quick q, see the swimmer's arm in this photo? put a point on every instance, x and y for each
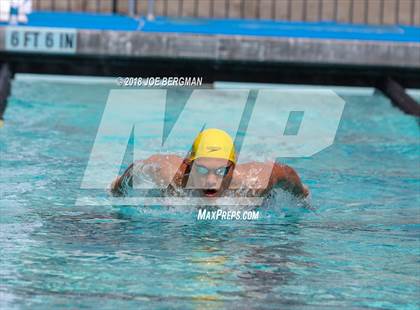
(287, 178)
(120, 184)
(161, 169)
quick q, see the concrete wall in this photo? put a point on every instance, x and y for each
(237, 48)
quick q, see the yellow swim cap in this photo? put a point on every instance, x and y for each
(214, 143)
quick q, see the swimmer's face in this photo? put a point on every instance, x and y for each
(211, 176)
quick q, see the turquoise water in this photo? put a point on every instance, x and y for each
(360, 249)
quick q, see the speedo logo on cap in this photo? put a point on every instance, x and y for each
(212, 148)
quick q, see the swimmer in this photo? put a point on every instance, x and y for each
(210, 170)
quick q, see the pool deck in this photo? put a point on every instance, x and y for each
(264, 41)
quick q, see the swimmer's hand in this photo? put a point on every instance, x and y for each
(115, 183)
(305, 190)
(116, 186)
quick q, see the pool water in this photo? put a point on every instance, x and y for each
(359, 249)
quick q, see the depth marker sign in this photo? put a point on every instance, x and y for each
(43, 40)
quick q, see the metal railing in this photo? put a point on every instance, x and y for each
(345, 11)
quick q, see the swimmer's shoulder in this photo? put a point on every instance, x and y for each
(164, 159)
(247, 173)
(163, 167)
(253, 167)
